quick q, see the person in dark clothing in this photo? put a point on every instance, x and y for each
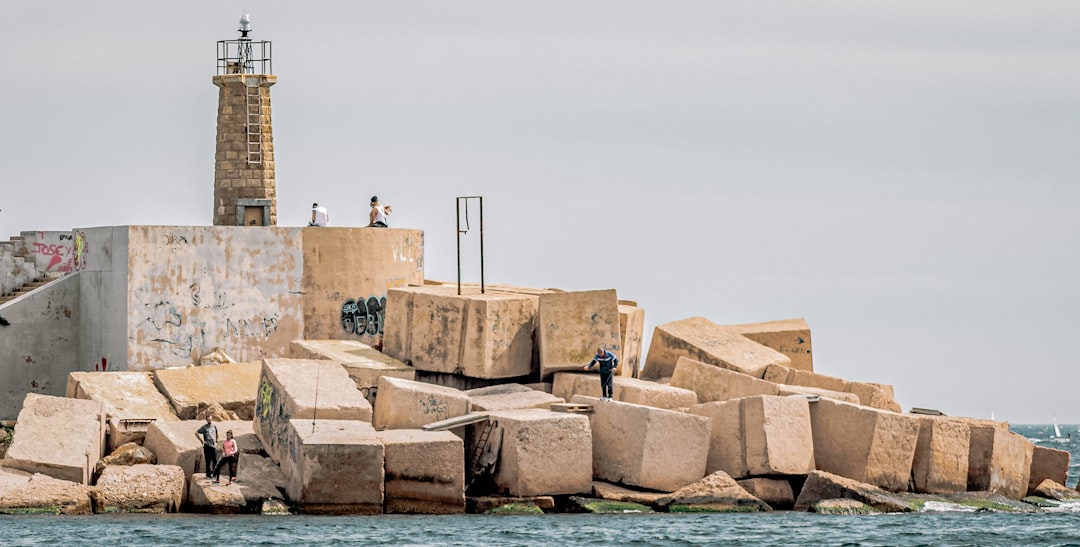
(207, 434)
(608, 362)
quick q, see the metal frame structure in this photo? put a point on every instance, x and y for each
(243, 56)
(458, 203)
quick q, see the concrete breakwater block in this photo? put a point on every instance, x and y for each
(487, 335)
(405, 404)
(364, 363)
(141, 488)
(759, 436)
(193, 389)
(424, 471)
(1047, 464)
(58, 436)
(570, 325)
(22, 492)
(999, 460)
(509, 397)
(713, 383)
(542, 453)
(864, 444)
(712, 344)
(788, 336)
(303, 389)
(175, 443)
(131, 402)
(333, 466)
(940, 465)
(632, 334)
(627, 390)
(258, 479)
(648, 447)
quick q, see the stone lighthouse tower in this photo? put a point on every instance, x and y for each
(244, 184)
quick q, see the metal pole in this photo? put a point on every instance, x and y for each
(457, 228)
(481, 244)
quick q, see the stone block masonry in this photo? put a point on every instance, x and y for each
(235, 177)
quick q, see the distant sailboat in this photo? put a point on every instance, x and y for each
(1057, 433)
(992, 416)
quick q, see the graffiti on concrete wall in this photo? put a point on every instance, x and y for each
(58, 255)
(363, 316)
(404, 250)
(80, 251)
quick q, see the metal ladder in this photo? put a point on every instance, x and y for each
(476, 466)
(253, 97)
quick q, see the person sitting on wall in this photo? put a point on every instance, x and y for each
(380, 214)
(319, 215)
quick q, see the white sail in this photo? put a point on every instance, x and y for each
(1057, 430)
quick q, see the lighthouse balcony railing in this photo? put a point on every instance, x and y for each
(243, 57)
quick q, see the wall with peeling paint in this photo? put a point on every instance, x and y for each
(101, 260)
(38, 348)
(347, 272)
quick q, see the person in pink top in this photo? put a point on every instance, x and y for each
(230, 457)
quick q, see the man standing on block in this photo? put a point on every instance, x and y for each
(608, 362)
(207, 434)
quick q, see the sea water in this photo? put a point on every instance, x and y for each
(779, 528)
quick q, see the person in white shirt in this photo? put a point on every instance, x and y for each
(380, 214)
(319, 215)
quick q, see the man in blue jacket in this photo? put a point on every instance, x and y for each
(608, 362)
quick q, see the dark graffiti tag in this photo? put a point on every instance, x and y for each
(362, 316)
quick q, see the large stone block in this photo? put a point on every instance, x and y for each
(813, 379)
(570, 325)
(22, 492)
(303, 389)
(875, 395)
(425, 471)
(542, 453)
(131, 402)
(999, 460)
(705, 341)
(648, 447)
(333, 466)
(258, 479)
(759, 435)
(1047, 463)
(175, 443)
(509, 397)
(865, 444)
(141, 488)
(714, 383)
(628, 390)
(632, 334)
(405, 404)
(58, 436)
(193, 389)
(940, 465)
(479, 335)
(364, 363)
(810, 391)
(788, 336)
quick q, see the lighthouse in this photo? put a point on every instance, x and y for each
(244, 185)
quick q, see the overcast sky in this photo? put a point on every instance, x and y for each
(902, 174)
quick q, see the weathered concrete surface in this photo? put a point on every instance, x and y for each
(425, 471)
(632, 335)
(1047, 464)
(40, 346)
(192, 389)
(364, 363)
(705, 341)
(333, 466)
(760, 435)
(999, 460)
(940, 465)
(131, 401)
(822, 485)
(570, 325)
(22, 492)
(775, 492)
(790, 337)
(347, 273)
(628, 390)
(58, 436)
(713, 383)
(258, 479)
(875, 395)
(1053, 490)
(608, 491)
(864, 444)
(828, 394)
(141, 488)
(483, 504)
(301, 389)
(648, 447)
(190, 289)
(126, 454)
(405, 404)
(476, 335)
(813, 379)
(509, 397)
(174, 443)
(717, 491)
(51, 250)
(543, 453)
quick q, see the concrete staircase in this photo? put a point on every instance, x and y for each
(18, 271)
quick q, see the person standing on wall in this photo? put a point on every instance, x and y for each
(207, 435)
(608, 362)
(380, 214)
(319, 215)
